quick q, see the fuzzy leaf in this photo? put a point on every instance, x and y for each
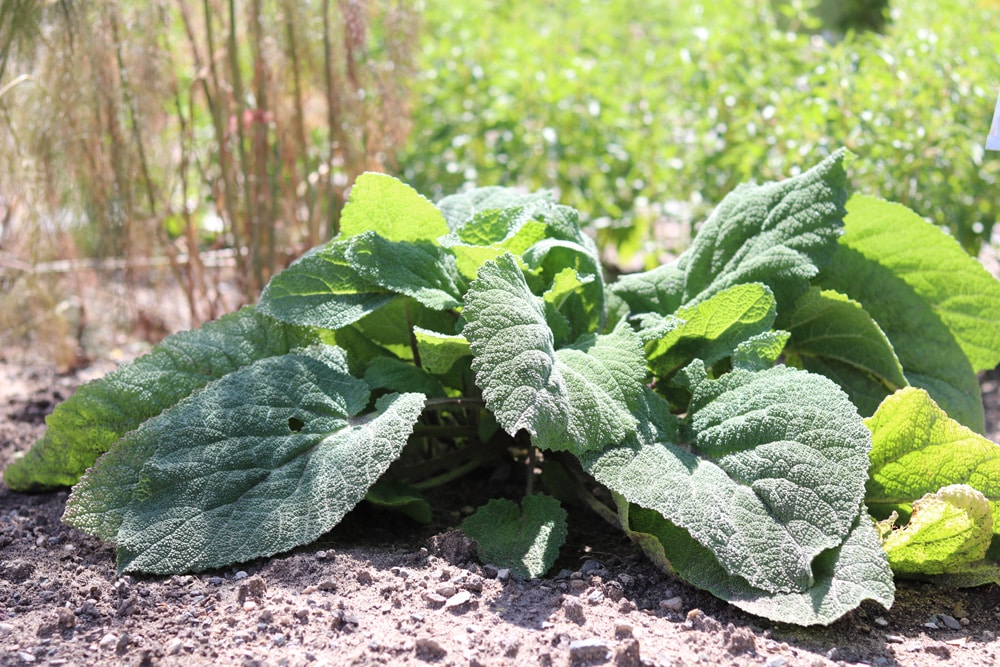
(761, 351)
(421, 269)
(439, 352)
(576, 398)
(525, 539)
(583, 307)
(267, 458)
(395, 495)
(712, 329)
(833, 335)
(392, 209)
(774, 477)
(938, 306)
(917, 449)
(322, 289)
(401, 376)
(86, 425)
(948, 529)
(657, 291)
(778, 234)
(459, 209)
(843, 577)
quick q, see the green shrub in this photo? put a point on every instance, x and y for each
(621, 108)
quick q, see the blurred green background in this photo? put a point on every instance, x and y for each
(200, 147)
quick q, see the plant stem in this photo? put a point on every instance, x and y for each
(452, 474)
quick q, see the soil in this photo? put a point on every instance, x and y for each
(380, 589)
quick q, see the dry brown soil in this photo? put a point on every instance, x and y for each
(382, 590)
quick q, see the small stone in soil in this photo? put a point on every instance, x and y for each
(776, 661)
(458, 600)
(573, 610)
(673, 604)
(739, 641)
(587, 650)
(623, 630)
(628, 654)
(67, 619)
(881, 622)
(108, 642)
(434, 599)
(950, 622)
(446, 590)
(429, 648)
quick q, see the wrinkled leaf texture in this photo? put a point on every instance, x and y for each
(267, 458)
(87, 424)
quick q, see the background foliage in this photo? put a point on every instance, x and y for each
(623, 107)
(175, 137)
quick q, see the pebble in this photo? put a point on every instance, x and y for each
(586, 650)
(595, 598)
(881, 622)
(240, 575)
(458, 599)
(24, 656)
(446, 590)
(430, 648)
(66, 618)
(573, 610)
(590, 565)
(776, 661)
(6, 629)
(623, 630)
(108, 641)
(503, 574)
(434, 598)
(175, 646)
(473, 583)
(628, 654)
(675, 603)
(950, 622)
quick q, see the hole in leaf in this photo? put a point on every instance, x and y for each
(295, 424)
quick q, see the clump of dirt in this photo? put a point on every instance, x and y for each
(381, 590)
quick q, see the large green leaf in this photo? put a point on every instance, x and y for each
(583, 306)
(712, 329)
(578, 397)
(267, 458)
(778, 234)
(392, 209)
(525, 539)
(657, 291)
(948, 530)
(83, 427)
(773, 477)
(938, 306)
(955, 286)
(917, 449)
(323, 289)
(459, 209)
(843, 577)
(833, 335)
(421, 269)
(439, 352)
